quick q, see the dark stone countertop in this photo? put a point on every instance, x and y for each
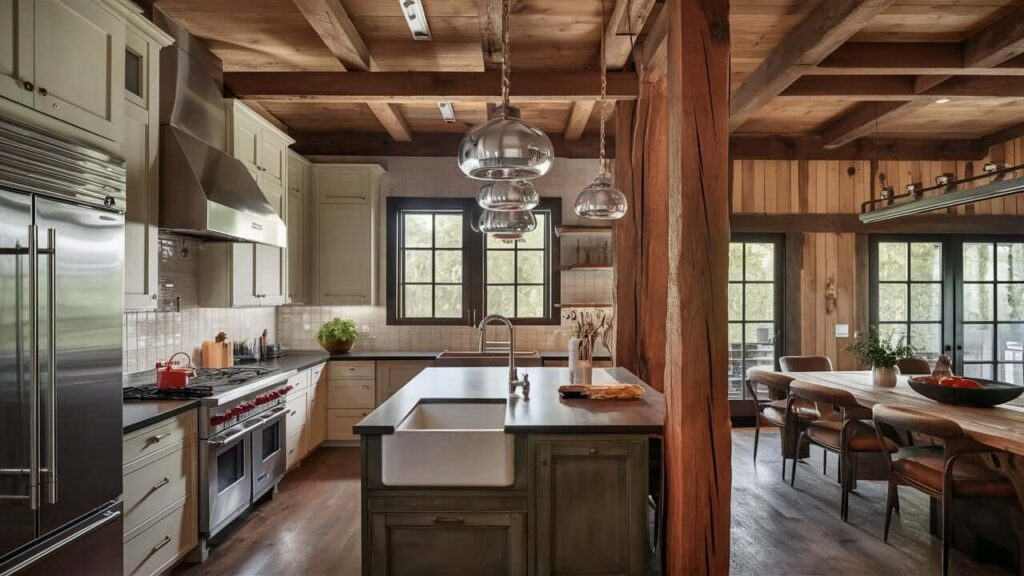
(427, 355)
(544, 412)
(139, 414)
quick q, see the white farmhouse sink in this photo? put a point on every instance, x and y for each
(450, 444)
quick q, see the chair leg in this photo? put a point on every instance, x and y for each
(824, 462)
(845, 480)
(892, 500)
(796, 453)
(757, 437)
(947, 529)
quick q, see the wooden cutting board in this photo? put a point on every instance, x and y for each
(613, 391)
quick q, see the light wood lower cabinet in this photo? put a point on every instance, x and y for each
(340, 422)
(393, 374)
(160, 498)
(479, 543)
(317, 411)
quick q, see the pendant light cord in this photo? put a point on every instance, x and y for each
(604, 92)
(506, 65)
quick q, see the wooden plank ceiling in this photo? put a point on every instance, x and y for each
(823, 71)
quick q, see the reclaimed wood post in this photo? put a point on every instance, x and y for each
(627, 233)
(697, 431)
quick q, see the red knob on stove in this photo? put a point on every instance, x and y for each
(216, 420)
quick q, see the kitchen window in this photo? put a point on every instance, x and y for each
(443, 272)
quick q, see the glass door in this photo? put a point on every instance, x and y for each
(755, 306)
(990, 333)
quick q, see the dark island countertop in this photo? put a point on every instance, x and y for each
(545, 412)
(138, 414)
(429, 355)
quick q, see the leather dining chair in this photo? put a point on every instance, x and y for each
(771, 408)
(913, 366)
(845, 433)
(805, 364)
(948, 469)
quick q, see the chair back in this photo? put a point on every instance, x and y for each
(805, 364)
(913, 420)
(822, 394)
(777, 384)
(913, 366)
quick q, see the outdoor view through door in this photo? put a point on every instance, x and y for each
(755, 306)
(962, 296)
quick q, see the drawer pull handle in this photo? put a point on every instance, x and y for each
(292, 413)
(264, 475)
(592, 451)
(159, 437)
(164, 542)
(449, 520)
(366, 386)
(161, 484)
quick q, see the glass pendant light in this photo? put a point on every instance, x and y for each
(508, 196)
(601, 199)
(506, 225)
(504, 147)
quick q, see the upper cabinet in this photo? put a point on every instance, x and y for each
(298, 191)
(262, 148)
(345, 233)
(139, 146)
(64, 60)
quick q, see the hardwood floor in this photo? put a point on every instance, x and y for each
(781, 530)
(312, 526)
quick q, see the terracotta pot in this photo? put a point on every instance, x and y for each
(338, 346)
(883, 377)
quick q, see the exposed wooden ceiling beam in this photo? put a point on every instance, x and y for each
(267, 115)
(828, 25)
(390, 117)
(758, 147)
(1000, 136)
(490, 32)
(442, 144)
(877, 88)
(908, 58)
(330, 21)
(427, 86)
(578, 118)
(990, 46)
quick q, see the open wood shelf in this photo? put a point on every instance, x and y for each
(576, 230)
(588, 266)
(584, 305)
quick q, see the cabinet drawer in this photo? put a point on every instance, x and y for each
(158, 437)
(351, 371)
(316, 372)
(157, 485)
(340, 423)
(156, 548)
(351, 394)
(299, 384)
(295, 450)
(296, 414)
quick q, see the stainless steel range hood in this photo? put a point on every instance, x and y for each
(203, 190)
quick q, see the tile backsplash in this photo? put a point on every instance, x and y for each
(153, 336)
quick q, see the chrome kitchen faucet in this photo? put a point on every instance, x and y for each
(513, 376)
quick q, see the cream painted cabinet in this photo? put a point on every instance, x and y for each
(345, 235)
(298, 186)
(139, 145)
(240, 274)
(393, 374)
(317, 411)
(16, 75)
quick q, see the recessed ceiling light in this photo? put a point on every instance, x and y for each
(447, 111)
(416, 18)
(942, 100)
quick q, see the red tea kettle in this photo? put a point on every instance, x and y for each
(171, 375)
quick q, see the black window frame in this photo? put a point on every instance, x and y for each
(474, 250)
(778, 297)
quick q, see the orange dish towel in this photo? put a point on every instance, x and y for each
(602, 391)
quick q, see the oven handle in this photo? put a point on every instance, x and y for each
(272, 415)
(217, 442)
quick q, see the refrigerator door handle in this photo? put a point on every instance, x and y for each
(51, 293)
(17, 252)
(33, 303)
(104, 519)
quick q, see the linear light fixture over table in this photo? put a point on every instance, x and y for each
(416, 18)
(946, 194)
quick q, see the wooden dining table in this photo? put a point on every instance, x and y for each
(1001, 427)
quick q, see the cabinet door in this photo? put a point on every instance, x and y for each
(139, 145)
(270, 268)
(273, 159)
(477, 543)
(393, 374)
(317, 412)
(79, 65)
(344, 184)
(346, 252)
(243, 275)
(296, 246)
(245, 141)
(16, 51)
(591, 505)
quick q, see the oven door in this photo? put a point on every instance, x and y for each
(268, 451)
(228, 477)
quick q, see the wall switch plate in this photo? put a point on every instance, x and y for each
(842, 330)
(364, 329)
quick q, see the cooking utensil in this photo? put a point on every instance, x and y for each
(171, 375)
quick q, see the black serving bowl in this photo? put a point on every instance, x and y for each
(990, 394)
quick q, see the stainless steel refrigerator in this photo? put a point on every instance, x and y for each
(61, 258)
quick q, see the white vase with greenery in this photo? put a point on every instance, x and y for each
(882, 355)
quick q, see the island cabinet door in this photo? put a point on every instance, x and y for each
(449, 543)
(590, 500)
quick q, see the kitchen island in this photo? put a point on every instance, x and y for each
(574, 501)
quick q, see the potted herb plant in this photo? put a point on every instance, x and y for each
(338, 335)
(882, 355)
